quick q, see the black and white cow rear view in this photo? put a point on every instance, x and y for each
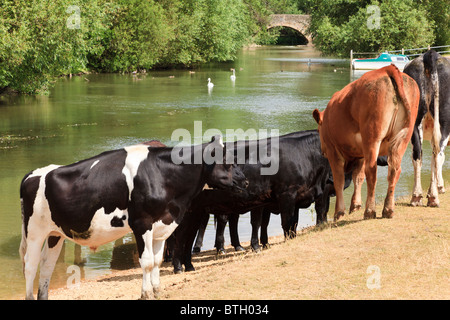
(431, 71)
(98, 200)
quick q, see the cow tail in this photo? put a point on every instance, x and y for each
(429, 60)
(397, 79)
(23, 241)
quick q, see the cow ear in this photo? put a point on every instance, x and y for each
(317, 116)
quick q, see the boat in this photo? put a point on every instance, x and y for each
(383, 60)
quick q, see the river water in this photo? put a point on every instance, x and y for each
(276, 88)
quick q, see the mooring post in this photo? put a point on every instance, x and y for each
(351, 58)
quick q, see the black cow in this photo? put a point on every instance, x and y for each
(432, 73)
(98, 200)
(304, 177)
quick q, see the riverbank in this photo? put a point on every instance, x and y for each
(406, 257)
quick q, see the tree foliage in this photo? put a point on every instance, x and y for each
(42, 39)
(341, 25)
(37, 44)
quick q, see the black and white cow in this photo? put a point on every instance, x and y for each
(303, 178)
(431, 71)
(98, 200)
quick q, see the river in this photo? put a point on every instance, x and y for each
(276, 88)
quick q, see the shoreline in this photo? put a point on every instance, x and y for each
(330, 262)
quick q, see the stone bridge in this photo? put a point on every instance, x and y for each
(299, 22)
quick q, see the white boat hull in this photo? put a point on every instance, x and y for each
(373, 65)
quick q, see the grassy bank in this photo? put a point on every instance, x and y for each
(338, 261)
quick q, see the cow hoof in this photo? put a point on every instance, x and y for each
(266, 246)
(147, 295)
(433, 202)
(370, 214)
(239, 248)
(441, 189)
(387, 213)
(416, 201)
(177, 271)
(338, 215)
(196, 250)
(256, 249)
(221, 251)
(157, 293)
(354, 207)
(189, 268)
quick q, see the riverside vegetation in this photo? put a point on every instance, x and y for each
(41, 40)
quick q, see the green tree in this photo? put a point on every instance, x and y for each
(338, 33)
(37, 43)
(138, 37)
(438, 11)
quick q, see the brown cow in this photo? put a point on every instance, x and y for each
(371, 116)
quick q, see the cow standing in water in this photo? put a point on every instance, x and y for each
(98, 200)
(432, 73)
(371, 116)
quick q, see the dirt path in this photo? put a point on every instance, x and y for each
(406, 257)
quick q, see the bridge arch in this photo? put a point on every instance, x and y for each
(298, 22)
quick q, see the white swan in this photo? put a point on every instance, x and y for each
(233, 76)
(210, 84)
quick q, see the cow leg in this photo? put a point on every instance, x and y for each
(286, 204)
(440, 163)
(49, 256)
(322, 205)
(234, 235)
(220, 231)
(433, 197)
(185, 236)
(294, 223)
(264, 224)
(255, 220)
(437, 181)
(358, 177)
(147, 261)
(337, 168)
(201, 233)
(31, 261)
(370, 164)
(169, 248)
(416, 141)
(394, 170)
(158, 252)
